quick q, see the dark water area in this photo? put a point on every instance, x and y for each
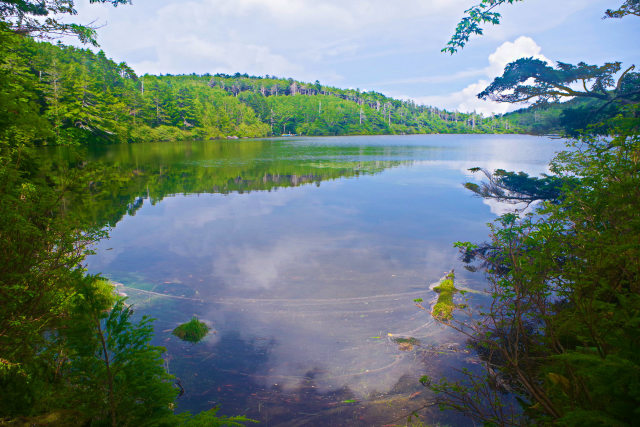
(304, 256)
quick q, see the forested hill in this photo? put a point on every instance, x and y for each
(566, 118)
(290, 106)
(71, 95)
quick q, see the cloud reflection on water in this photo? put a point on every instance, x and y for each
(319, 275)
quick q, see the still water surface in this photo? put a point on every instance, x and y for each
(304, 255)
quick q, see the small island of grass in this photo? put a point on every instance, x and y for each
(443, 309)
(193, 331)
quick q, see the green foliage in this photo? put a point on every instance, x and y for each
(334, 111)
(561, 332)
(119, 377)
(193, 331)
(32, 375)
(475, 391)
(560, 336)
(211, 419)
(41, 18)
(40, 249)
(20, 119)
(551, 83)
(65, 95)
(40, 277)
(483, 13)
(68, 355)
(527, 79)
(629, 7)
(570, 118)
(472, 22)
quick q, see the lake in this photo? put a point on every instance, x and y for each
(304, 255)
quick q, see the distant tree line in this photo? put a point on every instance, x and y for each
(367, 112)
(76, 96)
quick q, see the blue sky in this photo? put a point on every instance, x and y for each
(391, 46)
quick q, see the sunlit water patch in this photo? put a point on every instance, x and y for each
(304, 256)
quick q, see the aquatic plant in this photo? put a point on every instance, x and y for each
(406, 344)
(443, 309)
(193, 331)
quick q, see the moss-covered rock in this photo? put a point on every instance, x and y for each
(443, 309)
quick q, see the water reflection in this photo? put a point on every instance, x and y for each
(306, 286)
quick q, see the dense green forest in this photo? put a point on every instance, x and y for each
(81, 96)
(540, 120)
(564, 118)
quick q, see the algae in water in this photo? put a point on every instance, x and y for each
(443, 310)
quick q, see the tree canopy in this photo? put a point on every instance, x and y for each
(41, 18)
(78, 96)
(629, 7)
(477, 16)
(533, 79)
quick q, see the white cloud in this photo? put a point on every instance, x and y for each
(290, 38)
(443, 78)
(466, 100)
(500, 208)
(510, 51)
(204, 56)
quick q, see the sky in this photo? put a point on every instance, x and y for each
(390, 46)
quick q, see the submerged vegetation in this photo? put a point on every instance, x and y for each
(193, 330)
(443, 309)
(406, 344)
